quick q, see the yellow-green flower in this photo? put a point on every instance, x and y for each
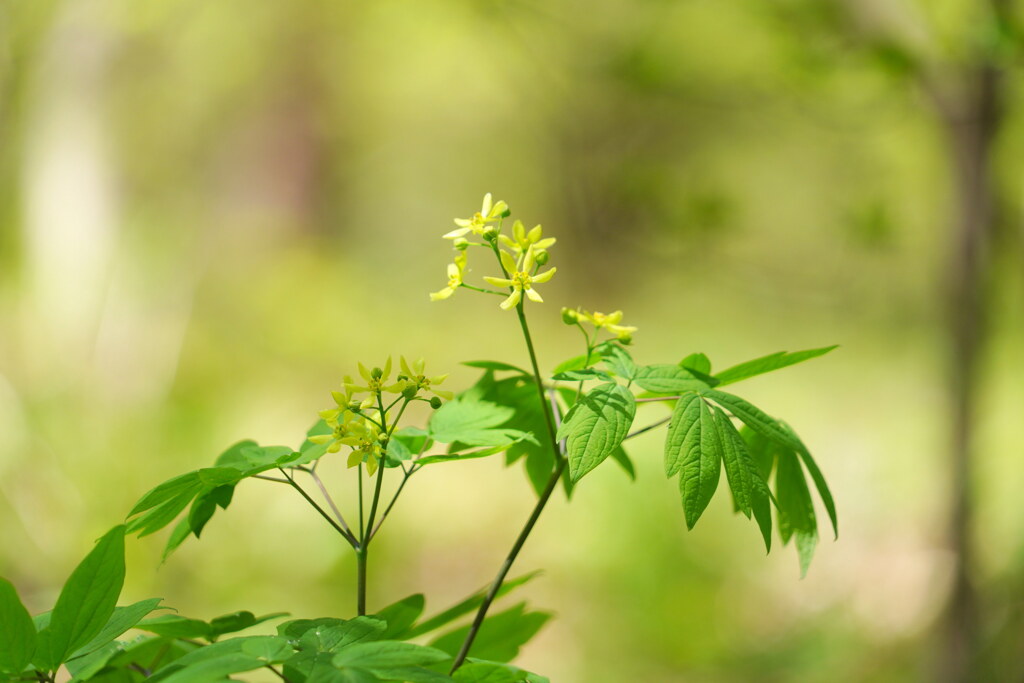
(376, 383)
(520, 278)
(522, 240)
(343, 422)
(414, 376)
(455, 274)
(610, 322)
(489, 212)
(367, 447)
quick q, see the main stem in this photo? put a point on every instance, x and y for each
(545, 495)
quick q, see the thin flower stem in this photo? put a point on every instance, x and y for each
(274, 479)
(387, 510)
(330, 501)
(647, 428)
(656, 398)
(481, 289)
(347, 535)
(545, 495)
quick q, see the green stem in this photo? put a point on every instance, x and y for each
(545, 495)
(492, 593)
(323, 513)
(647, 428)
(361, 580)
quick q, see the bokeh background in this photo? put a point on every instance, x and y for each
(209, 211)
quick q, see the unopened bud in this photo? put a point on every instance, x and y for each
(409, 392)
(541, 258)
(569, 316)
(376, 373)
(490, 233)
(435, 403)
(461, 243)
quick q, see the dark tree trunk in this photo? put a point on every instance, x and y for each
(972, 124)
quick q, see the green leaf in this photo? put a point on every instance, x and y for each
(206, 504)
(796, 510)
(85, 667)
(466, 606)
(122, 619)
(667, 379)
(272, 649)
(210, 664)
(238, 621)
(309, 451)
(596, 426)
(494, 365)
(86, 602)
(460, 420)
(749, 489)
(173, 626)
(693, 447)
(185, 484)
(585, 375)
(818, 478)
(619, 361)
(773, 361)
(500, 636)
(577, 362)
(754, 417)
(393, 660)
(17, 632)
(620, 456)
(401, 615)
(487, 672)
(697, 362)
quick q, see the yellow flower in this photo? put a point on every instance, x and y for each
(455, 273)
(522, 240)
(489, 212)
(367, 447)
(414, 376)
(376, 382)
(520, 278)
(610, 322)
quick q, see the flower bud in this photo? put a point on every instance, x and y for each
(461, 243)
(541, 257)
(376, 373)
(569, 316)
(435, 402)
(491, 233)
(409, 392)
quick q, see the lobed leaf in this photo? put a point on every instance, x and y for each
(768, 363)
(595, 427)
(668, 379)
(693, 448)
(500, 637)
(754, 417)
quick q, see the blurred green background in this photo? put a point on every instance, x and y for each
(209, 211)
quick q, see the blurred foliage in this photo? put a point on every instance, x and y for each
(196, 200)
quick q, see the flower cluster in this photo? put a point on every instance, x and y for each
(365, 423)
(600, 321)
(520, 256)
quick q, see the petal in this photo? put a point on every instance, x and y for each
(340, 398)
(528, 263)
(406, 370)
(441, 294)
(460, 263)
(519, 231)
(499, 208)
(498, 281)
(545, 244)
(438, 379)
(613, 318)
(544, 277)
(365, 373)
(508, 241)
(446, 395)
(535, 234)
(354, 458)
(334, 447)
(371, 465)
(458, 232)
(532, 295)
(387, 369)
(508, 262)
(512, 300)
(485, 208)
(320, 438)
